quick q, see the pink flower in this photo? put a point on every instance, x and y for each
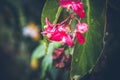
(80, 38)
(76, 6)
(57, 53)
(67, 39)
(82, 28)
(48, 26)
(65, 3)
(57, 33)
(60, 59)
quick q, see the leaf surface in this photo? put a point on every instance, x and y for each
(86, 55)
(40, 50)
(51, 10)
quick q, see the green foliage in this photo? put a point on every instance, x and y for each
(51, 10)
(40, 50)
(45, 50)
(47, 61)
(86, 55)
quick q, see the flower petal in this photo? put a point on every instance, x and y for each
(47, 21)
(48, 25)
(82, 14)
(65, 3)
(57, 53)
(80, 38)
(77, 7)
(56, 37)
(82, 28)
(67, 39)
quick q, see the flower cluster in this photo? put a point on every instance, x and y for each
(63, 31)
(58, 33)
(75, 5)
(60, 59)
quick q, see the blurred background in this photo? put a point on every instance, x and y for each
(16, 46)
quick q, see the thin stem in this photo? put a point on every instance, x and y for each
(65, 20)
(57, 15)
(73, 39)
(77, 19)
(70, 22)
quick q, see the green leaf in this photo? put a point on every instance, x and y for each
(86, 55)
(51, 10)
(40, 50)
(47, 61)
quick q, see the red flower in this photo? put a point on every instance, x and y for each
(82, 28)
(80, 38)
(57, 33)
(65, 3)
(48, 26)
(60, 59)
(57, 53)
(76, 6)
(67, 39)
(60, 34)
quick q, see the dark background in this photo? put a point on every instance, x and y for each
(16, 49)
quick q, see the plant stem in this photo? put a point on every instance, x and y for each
(57, 15)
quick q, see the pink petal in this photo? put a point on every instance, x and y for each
(77, 7)
(65, 3)
(74, 7)
(48, 25)
(62, 28)
(80, 5)
(82, 28)
(80, 38)
(47, 21)
(59, 64)
(67, 39)
(56, 37)
(82, 14)
(57, 53)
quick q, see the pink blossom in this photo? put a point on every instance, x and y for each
(60, 59)
(76, 6)
(65, 3)
(80, 38)
(60, 34)
(48, 25)
(67, 39)
(56, 36)
(82, 28)
(57, 53)
(57, 33)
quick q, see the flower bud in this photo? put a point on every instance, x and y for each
(82, 28)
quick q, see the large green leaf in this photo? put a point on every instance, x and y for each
(51, 10)
(40, 50)
(86, 55)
